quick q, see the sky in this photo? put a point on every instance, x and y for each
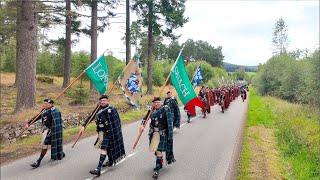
(243, 28)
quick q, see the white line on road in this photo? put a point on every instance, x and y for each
(102, 172)
(132, 154)
(187, 123)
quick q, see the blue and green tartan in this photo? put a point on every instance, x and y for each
(166, 140)
(112, 140)
(115, 147)
(174, 108)
(56, 134)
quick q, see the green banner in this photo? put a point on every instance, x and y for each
(98, 74)
(181, 82)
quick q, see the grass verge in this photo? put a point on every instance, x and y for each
(30, 145)
(281, 140)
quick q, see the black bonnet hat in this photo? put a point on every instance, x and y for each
(103, 96)
(48, 100)
(156, 99)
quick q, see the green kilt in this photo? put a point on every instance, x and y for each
(162, 143)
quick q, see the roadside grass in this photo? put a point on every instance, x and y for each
(31, 144)
(244, 164)
(251, 73)
(133, 115)
(296, 132)
(259, 157)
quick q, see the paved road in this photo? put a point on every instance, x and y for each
(204, 149)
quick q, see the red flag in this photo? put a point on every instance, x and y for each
(190, 106)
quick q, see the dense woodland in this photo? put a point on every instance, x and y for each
(27, 50)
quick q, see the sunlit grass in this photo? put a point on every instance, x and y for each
(297, 131)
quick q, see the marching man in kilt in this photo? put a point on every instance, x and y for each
(160, 134)
(203, 98)
(52, 133)
(174, 107)
(243, 94)
(110, 139)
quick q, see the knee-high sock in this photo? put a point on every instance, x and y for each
(101, 160)
(159, 162)
(42, 154)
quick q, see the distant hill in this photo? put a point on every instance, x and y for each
(233, 67)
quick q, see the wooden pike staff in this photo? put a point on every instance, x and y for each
(151, 111)
(24, 129)
(92, 116)
(97, 109)
(64, 90)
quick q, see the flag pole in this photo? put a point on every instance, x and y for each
(145, 123)
(98, 107)
(69, 85)
(95, 111)
(171, 71)
(64, 90)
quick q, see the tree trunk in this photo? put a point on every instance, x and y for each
(128, 36)
(150, 47)
(94, 35)
(67, 47)
(27, 28)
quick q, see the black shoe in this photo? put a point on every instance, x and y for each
(36, 164)
(96, 172)
(155, 174)
(107, 164)
(171, 161)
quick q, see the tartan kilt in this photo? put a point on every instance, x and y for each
(46, 136)
(163, 142)
(104, 143)
(47, 140)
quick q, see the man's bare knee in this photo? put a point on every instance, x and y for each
(103, 151)
(158, 153)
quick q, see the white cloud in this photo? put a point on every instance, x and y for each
(242, 28)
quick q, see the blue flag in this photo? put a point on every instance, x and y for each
(197, 77)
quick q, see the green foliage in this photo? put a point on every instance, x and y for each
(158, 50)
(296, 129)
(233, 67)
(296, 81)
(45, 62)
(79, 94)
(280, 39)
(173, 50)
(240, 74)
(8, 16)
(115, 67)
(206, 69)
(80, 61)
(116, 72)
(258, 114)
(158, 72)
(202, 50)
(165, 15)
(9, 56)
(297, 132)
(210, 74)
